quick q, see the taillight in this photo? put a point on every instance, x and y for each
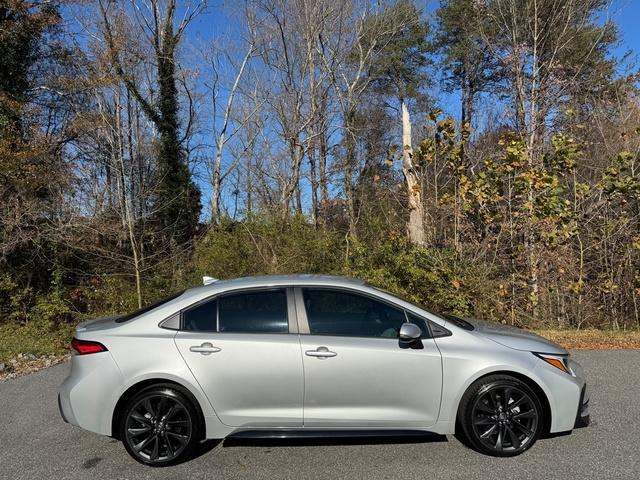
(84, 347)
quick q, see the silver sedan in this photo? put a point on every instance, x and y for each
(307, 355)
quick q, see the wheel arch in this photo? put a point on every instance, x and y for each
(150, 382)
(530, 382)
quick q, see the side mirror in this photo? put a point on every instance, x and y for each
(410, 332)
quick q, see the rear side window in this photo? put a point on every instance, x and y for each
(242, 312)
(254, 312)
(201, 318)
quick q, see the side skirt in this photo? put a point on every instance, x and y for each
(309, 433)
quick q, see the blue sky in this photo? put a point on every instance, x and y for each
(626, 13)
(220, 20)
(218, 25)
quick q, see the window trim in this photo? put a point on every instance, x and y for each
(168, 323)
(429, 324)
(304, 320)
(291, 314)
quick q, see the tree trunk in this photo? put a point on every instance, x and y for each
(322, 162)
(466, 111)
(350, 161)
(291, 186)
(249, 188)
(125, 198)
(216, 181)
(314, 181)
(415, 224)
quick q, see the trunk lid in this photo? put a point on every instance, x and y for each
(100, 323)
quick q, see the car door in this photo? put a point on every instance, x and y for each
(244, 350)
(357, 372)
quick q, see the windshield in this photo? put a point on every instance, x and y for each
(457, 321)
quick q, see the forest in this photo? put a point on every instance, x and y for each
(478, 157)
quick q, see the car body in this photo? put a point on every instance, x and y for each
(317, 354)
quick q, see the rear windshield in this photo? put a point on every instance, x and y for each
(132, 315)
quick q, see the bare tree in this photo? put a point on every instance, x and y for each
(227, 126)
(286, 58)
(179, 198)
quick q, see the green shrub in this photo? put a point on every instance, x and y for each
(34, 338)
(15, 300)
(433, 277)
(260, 247)
(50, 310)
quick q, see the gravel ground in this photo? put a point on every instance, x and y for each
(36, 444)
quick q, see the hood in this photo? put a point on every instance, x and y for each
(516, 338)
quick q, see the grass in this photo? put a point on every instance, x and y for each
(32, 338)
(593, 339)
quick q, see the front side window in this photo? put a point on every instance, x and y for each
(420, 322)
(242, 312)
(338, 312)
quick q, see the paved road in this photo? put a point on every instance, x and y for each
(36, 444)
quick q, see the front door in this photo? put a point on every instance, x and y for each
(239, 348)
(357, 373)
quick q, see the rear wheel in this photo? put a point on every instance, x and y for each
(501, 416)
(160, 426)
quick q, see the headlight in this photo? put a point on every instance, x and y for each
(561, 362)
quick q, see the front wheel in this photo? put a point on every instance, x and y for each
(501, 416)
(160, 426)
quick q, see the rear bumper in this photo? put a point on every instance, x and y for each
(61, 411)
(86, 397)
(583, 418)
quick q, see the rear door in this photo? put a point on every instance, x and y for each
(357, 372)
(244, 350)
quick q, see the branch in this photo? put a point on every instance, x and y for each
(148, 109)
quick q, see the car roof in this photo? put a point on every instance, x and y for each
(267, 281)
(277, 280)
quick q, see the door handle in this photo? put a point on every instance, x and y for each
(205, 349)
(320, 352)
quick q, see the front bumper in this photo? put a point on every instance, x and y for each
(565, 393)
(583, 418)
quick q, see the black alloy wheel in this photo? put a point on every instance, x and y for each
(160, 427)
(501, 416)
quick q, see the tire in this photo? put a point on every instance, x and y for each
(160, 426)
(493, 428)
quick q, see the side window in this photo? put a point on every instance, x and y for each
(253, 312)
(420, 322)
(201, 318)
(429, 328)
(243, 312)
(338, 312)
